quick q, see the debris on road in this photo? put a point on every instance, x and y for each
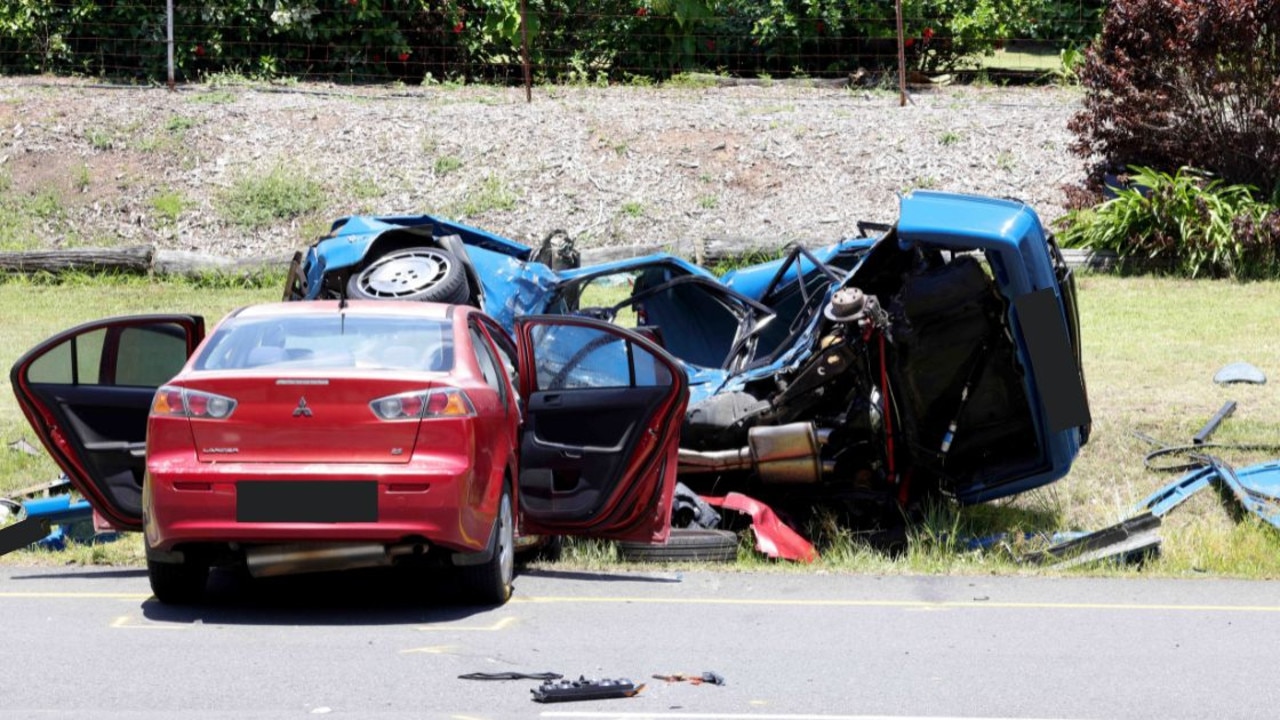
(511, 676)
(709, 678)
(584, 689)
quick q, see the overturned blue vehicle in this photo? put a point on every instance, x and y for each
(938, 356)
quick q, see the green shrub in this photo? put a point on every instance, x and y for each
(1169, 84)
(1186, 222)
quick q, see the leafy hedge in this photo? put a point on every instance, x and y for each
(1172, 83)
(1185, 223)
(481, 39)
(1170, 86)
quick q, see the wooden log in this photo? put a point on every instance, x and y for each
(145, 259)
(182, 262)
(131, 260)
(1099, 260)
(710, 80)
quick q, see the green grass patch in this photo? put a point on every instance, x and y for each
(179, 124)
(279, 195)
(213, 97)
(82, 177)
(167, 206)
(693, 81)
(100, 139)
(493, 194)
(446, 164)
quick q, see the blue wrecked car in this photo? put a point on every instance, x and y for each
(938, 356)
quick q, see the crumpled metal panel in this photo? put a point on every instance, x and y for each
(1256, 489)
(773, 537)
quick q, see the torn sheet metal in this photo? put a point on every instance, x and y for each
(1256, 489)
(774, 538)
(1129, 540)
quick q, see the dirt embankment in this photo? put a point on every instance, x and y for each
(89, 165)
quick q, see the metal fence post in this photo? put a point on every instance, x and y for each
(169, 23)
(902, 59)
(524, 50)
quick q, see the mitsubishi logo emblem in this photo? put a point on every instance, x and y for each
(302, 410)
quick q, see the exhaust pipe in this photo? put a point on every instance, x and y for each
(696, 461)
(781, 454)
(274, 560)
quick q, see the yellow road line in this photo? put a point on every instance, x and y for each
(75, 595)
(126, 622)
(761, 602)
(499, 625)
(434, 650)
(905, 604)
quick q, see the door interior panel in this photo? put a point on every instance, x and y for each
(108, 428)
(576, 443)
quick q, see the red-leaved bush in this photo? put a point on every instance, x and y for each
(1172, 83)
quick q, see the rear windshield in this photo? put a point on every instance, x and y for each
(323, 342)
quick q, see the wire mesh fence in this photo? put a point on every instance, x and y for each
(558, 41)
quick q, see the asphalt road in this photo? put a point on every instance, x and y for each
(89, 643)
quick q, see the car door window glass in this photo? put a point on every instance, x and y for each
(488, 363)
(150, 356)
(571, 356)
(145, 356)
(75, 361)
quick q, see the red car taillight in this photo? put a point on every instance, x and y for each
(181, 402)
(446, 402)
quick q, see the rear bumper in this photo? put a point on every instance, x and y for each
(198, 504)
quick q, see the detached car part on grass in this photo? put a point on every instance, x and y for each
(939, 355)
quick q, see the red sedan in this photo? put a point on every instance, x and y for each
(321, 436)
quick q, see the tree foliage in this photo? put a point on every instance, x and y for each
(1174, 83)
(604, 40)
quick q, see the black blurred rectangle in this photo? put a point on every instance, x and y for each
(1053, 360)
(334, 501)
(22, 534)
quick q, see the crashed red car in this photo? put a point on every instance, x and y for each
(332, 435)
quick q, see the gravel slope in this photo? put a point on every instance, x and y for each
(612, 166)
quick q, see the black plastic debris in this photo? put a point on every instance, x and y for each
(510, 676)
(584, 689)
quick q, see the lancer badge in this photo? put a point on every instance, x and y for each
(302, 410)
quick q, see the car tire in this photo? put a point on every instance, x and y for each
(490, 583)
(426, 274)
(685, 545)
(178, 583)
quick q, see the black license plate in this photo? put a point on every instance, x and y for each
(307, 501)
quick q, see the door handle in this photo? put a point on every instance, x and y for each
(571, 454)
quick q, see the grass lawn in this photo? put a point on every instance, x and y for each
(1151, 347)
